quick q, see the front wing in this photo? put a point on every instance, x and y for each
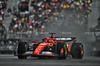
(45, 54)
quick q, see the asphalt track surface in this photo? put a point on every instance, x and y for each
(10, 60)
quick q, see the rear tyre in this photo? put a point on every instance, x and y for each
(77, 50)
(22, 48)
(60, 47)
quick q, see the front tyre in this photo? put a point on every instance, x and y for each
(22, 48)
(62, 50)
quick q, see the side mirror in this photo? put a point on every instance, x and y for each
(34, 41)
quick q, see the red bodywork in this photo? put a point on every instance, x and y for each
(49, 42)
(46, 42)
(52, 41)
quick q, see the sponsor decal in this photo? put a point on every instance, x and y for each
(64, 38)
(40, 46)
(29, 52)
(43, 43)
(46, 53)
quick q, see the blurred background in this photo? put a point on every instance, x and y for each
(30, 20)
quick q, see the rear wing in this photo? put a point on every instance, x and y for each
(66, 39)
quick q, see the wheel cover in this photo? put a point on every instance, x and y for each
(62, 50)
(65, 51)
(81, 50)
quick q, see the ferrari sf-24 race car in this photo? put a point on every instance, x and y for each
(51, 47)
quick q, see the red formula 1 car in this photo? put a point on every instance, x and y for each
(51, 47)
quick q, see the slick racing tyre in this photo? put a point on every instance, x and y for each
(77, 50)
(62, 50)
(22, 48)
